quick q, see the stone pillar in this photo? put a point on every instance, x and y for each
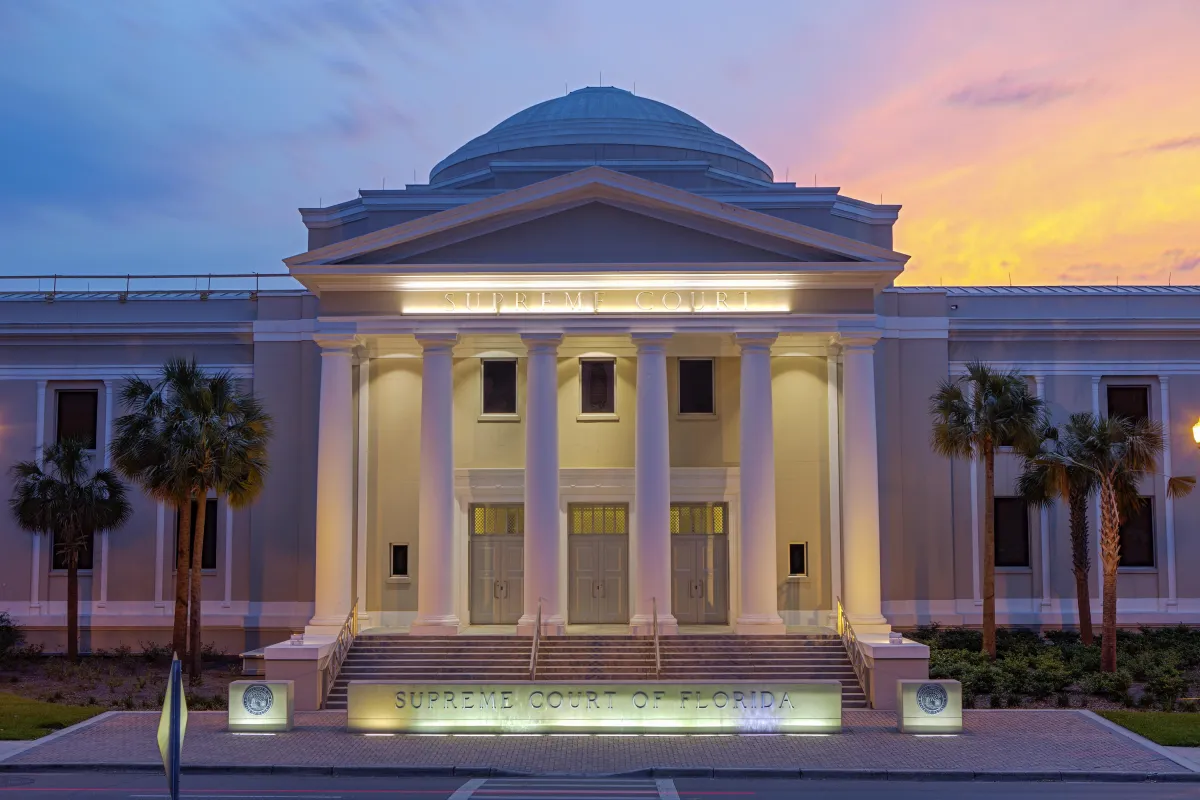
(436, 575)
(335, 488)
(759, 577)
(860, 490)
(543, 527)
(652, 489)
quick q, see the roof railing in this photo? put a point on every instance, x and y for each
(122, 288)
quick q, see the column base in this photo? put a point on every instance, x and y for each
(325, 626)
(553, 625)
(643, 625)
(759, 625)
(869, 623)
(444, 625)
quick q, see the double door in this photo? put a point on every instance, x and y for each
(598, 559)
(497, 563)
(699, 563)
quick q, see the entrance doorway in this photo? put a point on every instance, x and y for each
(598, 555)
(497, 562)
(700, 563)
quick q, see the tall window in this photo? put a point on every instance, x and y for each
(499, 386)
(208, 559)
(1137, 535)
(58, 557)
(1012, 532)
(77, 416)
(399, 561)
(1132, 402)
(697, 394)
(798, 559)
(598, 386)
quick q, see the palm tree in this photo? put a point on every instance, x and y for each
(61, 496)
(973, 414)
(190, 433)
(1041, 482)
(1118, 453)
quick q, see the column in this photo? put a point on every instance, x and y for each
(759, 577)
(35, 602)
(1044, 514)
(1164, 383)
(860, 497)
(543, 529)
(335, 487)
(436, 575)
(360, 534)
(652, 489)
(108, 423)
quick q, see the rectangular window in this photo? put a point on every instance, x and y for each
(497, 519)
(77, 417)
(798, 559)
(1137, 536)
(208, 559)
(1012, 532)
(399, 561)
(1132, 402)
(697, 393)
(699, 517)
(58, 556)
(499, 386)
(585, 519)
(598, 387)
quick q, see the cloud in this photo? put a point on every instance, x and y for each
(1169, 145)
(1006, 90)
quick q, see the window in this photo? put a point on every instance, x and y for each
(696, 390)
(208, 559)
(499, 386)
(497, 519)
(1137, 535)
(798, 559)
(399, 561)
(1012, 532)
(699, 517)
(1132, 402)
(77, 417)
(58, 556)
(585, 519)
(598, 387)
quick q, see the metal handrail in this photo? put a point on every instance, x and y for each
(657, 651)
(537, 640)
(163, 286)
(850, 641)
(341, 648)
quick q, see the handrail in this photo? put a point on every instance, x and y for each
(537, 640)
(850, 641)
(657, 651)
(341, 648)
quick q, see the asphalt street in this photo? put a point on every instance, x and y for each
(144, 786)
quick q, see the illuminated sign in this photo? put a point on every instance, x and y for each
(597, 301)
(929, 706)
(599, 707)
(257, 706)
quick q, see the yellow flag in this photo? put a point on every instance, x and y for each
(173, 721)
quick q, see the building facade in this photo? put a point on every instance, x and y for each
(602, 369)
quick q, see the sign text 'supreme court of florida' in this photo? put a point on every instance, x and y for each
(595, 707)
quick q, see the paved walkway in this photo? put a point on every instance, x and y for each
(1016, 741)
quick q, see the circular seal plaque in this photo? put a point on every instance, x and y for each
(932, 698)
(259, 698)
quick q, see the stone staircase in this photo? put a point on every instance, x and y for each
(499, 659)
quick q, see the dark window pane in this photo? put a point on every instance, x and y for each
(696, 386)
(797, 559)
(399, 561)
(1132, 402)
(1137, 536)
(597, 379)
(58, 556)
(77, 417)
(499, 387)
(208, 558)
(1012, 532)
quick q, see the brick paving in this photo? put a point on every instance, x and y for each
(1005, 741)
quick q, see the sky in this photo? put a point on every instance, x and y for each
(1028, 142)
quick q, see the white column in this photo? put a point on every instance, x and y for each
(1168, 501)
(759, 611)
(108, 419)
(436, 576)
(35, 603)
(652, 489)
(228, 601)
(543, 534)
(160, 526)
(360, 532)
(1044, 513)
(335, 488)
(860, 496)
(1097, 571)
(835, 478)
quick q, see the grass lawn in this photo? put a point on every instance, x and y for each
(1175, 729)
(22, 718)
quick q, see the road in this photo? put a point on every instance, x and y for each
(142, 786)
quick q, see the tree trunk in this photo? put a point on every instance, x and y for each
(1110, 554)
(179, 639)
(72, 605)
(989, 552)
(1081, 560)
(197, 574)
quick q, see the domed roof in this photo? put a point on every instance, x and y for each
(596, 118)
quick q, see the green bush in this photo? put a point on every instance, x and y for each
(1166, 686)
(1018, 641)
(1049, 675)
(11, 635)
(1115, 684)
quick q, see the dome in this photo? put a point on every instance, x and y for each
(601, 123)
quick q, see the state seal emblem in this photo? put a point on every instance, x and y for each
(258, 699)
(932, 698)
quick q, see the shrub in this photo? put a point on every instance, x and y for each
(1049, 675)
(1084, 658)
(981, 679)
(11, 635)
(1166, 686)
(960, 639)
(1018, 640)
(954, 664)
(1115, 684)
(154, 652)
(1062, 638)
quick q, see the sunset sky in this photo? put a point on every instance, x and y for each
(1029, 142)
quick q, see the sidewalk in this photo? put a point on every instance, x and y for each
(996, 744)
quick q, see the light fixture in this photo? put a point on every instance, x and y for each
(1196, 431)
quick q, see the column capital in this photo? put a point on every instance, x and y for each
(858, 340)
(434, 342)
(542, 342)
(335, 344)
(649, 341)
(760, 340)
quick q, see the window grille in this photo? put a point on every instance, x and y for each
(699, 517)
(497, 519)
(607, 519)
